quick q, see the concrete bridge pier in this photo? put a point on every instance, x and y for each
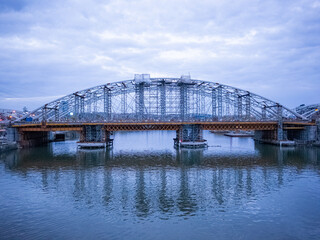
(28, 139)
(266, 136)
(12, 134)
(108, 139)
(190, 136)
(94, 136)
(288, 136)
(318, 133)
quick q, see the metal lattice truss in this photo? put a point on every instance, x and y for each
(145, 99)
(310, 111)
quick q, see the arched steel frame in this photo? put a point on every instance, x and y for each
(308, 111)
(145, 99)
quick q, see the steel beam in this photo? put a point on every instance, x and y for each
(214, 103)
(107, 103)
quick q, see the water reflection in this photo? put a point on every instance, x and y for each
(166, 202)
(142, 201)
(179, 182)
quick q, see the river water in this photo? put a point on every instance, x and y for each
(145, 189)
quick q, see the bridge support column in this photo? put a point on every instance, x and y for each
(190, 136)
(28, 139)
(318, 130)
(317, 143)
(266, 136)
(287, 137)
(108, 139)
(280, 135)
(306, 136)
(92, 136)
(12, 135)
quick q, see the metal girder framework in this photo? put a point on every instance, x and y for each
(309, 111)
(145, 99)
(146, 127)
(156, 126)
(220, 103)
(38, 127)
(139, 96)
(248, 106)
(183, 101)
(241, 126)
(107, 103)
(162, 99)
(214, 104)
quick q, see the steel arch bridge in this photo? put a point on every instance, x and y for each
(310, 111)
(145, 99)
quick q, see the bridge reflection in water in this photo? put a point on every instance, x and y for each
(165, 183)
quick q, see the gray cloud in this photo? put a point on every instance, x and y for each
(12, 5)
(49, 49)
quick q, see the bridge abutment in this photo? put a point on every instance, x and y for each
(27, 139)
(309, 135)
(288, 136)
(13, 135)
(266, 135)
(190, 136)
(317, 143)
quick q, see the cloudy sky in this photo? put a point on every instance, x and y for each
(52, 48)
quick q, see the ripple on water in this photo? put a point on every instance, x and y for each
(240, 189)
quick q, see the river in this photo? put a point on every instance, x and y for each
(145, 189)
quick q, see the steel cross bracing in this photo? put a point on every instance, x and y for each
(161, 99)
(309, 111)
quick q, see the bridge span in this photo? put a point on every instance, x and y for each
(184, 105)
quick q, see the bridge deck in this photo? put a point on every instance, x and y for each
(139, 126)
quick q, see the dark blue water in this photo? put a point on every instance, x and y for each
(145, 189)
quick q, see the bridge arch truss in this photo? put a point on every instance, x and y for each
(310, 111)
(145, 99)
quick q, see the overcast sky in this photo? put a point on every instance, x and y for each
(50, 49)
